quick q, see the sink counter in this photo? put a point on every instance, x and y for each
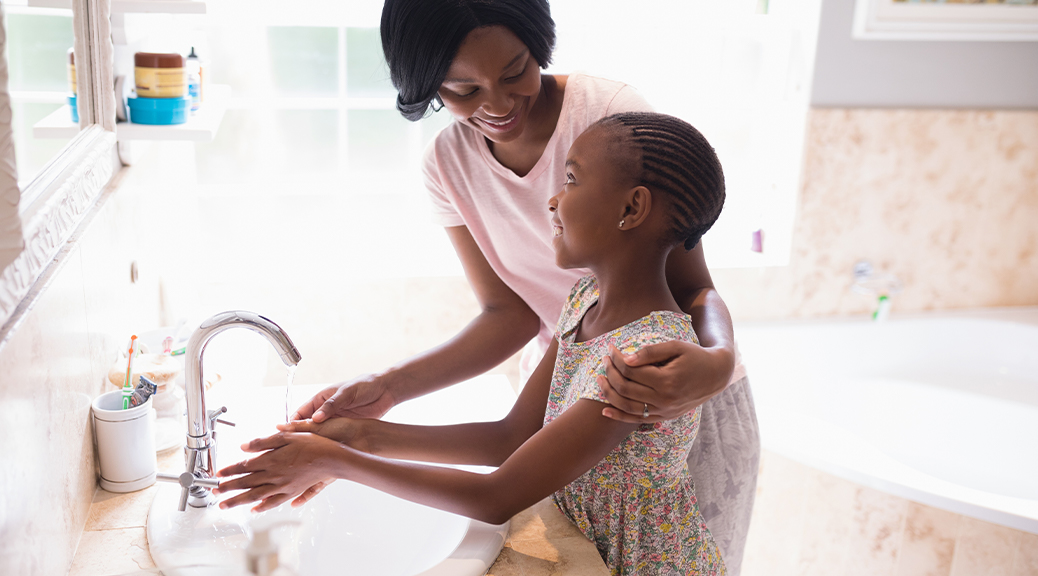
(540, 540)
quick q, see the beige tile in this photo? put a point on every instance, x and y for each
(928, 544)
(562, 556)
(829, 506)
(937, 197)
(541, 521)
(1026, 561)
(777, 524)
(108, 552)
(111, 511)
(984, 549)
(507, 563)
(875, 535)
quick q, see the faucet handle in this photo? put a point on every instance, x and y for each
(213, 417)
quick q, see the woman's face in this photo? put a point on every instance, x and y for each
(492, 84)
(588, 209)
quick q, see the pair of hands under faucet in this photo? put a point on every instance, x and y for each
(296, 464)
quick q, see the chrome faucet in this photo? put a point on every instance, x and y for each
(198, 479)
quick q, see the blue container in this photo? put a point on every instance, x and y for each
(75, 109)
(159, 111)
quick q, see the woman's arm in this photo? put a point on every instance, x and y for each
(505, 324)
(674, 377)
(553, 457)
(478, 443)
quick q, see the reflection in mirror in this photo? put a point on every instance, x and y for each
(41, 84)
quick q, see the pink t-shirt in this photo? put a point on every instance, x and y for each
(507, 214)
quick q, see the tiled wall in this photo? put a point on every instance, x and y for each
(806, 522)
(946, 200)
(50, 369)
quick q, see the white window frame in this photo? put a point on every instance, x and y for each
(37, 220)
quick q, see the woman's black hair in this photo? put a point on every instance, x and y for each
(420, 39)
(677, 160)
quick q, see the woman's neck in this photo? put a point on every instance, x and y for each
(627, 291)
(521, 155)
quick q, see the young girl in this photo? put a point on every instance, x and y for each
(637, 184)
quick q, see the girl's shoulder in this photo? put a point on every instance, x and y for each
(581, 297)
(656, 328)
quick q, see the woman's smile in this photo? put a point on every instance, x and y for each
(505, 124)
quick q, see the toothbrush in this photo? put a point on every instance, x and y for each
(134, 347)
(167, 345)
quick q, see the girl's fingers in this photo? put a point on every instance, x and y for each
(242, 482)
(257, 493)
(269, 443)
(243, 467)
(271, 502)
(308, 494)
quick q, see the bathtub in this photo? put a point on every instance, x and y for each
(938, 408)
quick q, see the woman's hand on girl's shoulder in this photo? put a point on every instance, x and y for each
(667, 380)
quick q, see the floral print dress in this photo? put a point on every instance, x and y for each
(638, 504)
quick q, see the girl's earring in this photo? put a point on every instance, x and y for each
(622, 223)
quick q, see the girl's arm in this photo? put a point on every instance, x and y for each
(553, 457)
(479, 443)
(675, 377)
(505, 324)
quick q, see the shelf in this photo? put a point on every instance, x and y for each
(201, 127)
(135, 6)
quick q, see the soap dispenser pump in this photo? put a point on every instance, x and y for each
(261, 555)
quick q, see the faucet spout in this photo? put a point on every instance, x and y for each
(200, 442)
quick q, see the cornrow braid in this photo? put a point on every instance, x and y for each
(677, 160)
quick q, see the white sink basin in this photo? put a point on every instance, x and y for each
(348, 529)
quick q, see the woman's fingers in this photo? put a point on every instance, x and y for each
(631, 391)
(311, 406)
(299, 426)
(649, 355)
(622, 409)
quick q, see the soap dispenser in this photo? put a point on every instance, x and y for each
(261, 555)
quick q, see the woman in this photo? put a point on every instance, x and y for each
(490, 174)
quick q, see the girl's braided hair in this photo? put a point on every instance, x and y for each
(677, 160)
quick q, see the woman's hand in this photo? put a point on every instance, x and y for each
(671, 378)
(348, 431)
(293, 465)
(363, 397)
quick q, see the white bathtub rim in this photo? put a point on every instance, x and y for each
(839, 452)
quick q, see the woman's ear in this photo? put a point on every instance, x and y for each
(636, 207)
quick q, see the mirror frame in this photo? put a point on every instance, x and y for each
(36, 222)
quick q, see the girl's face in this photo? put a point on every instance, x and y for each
(492, 84)
(586, 213)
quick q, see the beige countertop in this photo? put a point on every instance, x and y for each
(541, 541)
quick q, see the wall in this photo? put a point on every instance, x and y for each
(52, 365)
(918, 74)
(946, 200)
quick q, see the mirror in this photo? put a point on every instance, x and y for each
(49, 178)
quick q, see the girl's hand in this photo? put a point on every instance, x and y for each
(672, 378)
(292, 466)
(366, 396)
(348, 431)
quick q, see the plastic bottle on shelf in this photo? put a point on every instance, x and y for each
(194, 79)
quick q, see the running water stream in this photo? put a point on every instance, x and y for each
(290, 377)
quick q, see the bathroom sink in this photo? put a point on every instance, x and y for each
(348, 529)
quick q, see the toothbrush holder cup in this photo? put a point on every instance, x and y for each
(125, 441)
